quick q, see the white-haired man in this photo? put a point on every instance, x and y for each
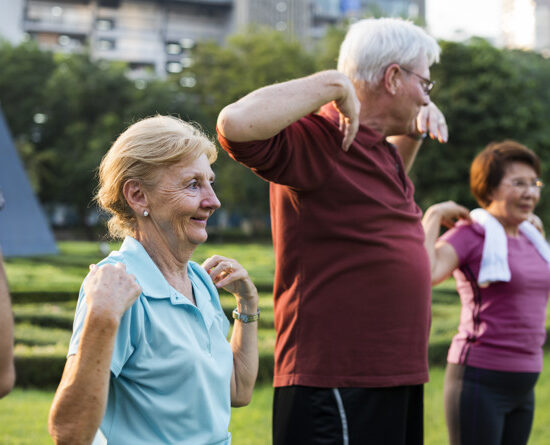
(352, 280)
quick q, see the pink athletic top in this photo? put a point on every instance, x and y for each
(502, 326)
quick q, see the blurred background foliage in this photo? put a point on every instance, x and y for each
(65, 111)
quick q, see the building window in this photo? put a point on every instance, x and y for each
(109, 3)
(173, 48)
(174, 67)
(104, 24)
(281, 7)
(64, 40)
(187, 43)
(186, 62)
(106, 44)
(57, 11)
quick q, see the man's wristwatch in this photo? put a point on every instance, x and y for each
(246, 318)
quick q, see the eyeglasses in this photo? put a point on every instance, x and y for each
(427, 84)
(523, 185)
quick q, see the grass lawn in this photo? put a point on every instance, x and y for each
(24, 415)
(43, 328)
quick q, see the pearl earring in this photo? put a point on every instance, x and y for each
(145, 213)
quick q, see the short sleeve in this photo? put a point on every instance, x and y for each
(123, 347)
(301, 156)
(466, 239)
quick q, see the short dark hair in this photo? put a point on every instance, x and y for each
(489, 166)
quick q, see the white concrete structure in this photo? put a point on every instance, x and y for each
(11, 14)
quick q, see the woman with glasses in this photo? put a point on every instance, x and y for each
(501, 265)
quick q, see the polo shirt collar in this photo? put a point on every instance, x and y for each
(366, 136)
(154, 285)
(138, 262)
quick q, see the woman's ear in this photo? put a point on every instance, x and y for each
(135, 196)
(392, 79)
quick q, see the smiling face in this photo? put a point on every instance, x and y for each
(516, 196)
(182, 200)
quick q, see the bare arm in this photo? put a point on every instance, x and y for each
(430, 121)
(443, 257)
(265, 112)
(7, 370)
(230, 275)
(81, 398)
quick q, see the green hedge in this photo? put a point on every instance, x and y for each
(45, 371)
(19, 297)
(39, 371)
(46, 320)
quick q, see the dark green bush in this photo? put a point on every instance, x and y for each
(20, 297)
(39, 371)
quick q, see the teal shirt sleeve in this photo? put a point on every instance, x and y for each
(123, 347)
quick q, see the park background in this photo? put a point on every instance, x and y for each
(65, 109)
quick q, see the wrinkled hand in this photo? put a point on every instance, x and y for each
(111, 289)
(228, 274)
(450, 212)
(348, 107)
(431, 120)
(537, 222)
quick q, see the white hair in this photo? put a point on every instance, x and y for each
(371, 45)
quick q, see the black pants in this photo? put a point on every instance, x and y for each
(348, 416)
(484, 407)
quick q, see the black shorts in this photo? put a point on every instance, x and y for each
(348, 416)
(484, 407)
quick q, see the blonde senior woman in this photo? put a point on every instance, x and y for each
(149, 361)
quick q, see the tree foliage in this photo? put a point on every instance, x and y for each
(224, 74)
(486, 93)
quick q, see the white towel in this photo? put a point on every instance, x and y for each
(494, 259)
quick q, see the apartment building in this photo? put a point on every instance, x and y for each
(151, 36)
(157, 37)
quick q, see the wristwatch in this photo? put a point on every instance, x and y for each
(246, 318)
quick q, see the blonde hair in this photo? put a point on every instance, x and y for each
(141, 150)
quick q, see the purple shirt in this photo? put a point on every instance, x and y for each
(502, 326)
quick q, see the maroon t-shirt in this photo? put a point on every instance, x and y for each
(352, 279)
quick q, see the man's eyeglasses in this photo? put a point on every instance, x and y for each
(523, 185)
(427, 84)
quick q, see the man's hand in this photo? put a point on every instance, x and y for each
(110, 289)
(348, 107)
(430, 120)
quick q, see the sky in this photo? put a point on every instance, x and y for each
(458, 19)
(449, 19)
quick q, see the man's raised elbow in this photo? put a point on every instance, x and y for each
(225, 124)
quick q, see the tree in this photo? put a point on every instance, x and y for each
(487, 94)
(25, 70)
(224, 74)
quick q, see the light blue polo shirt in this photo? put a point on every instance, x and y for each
(172, 363)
